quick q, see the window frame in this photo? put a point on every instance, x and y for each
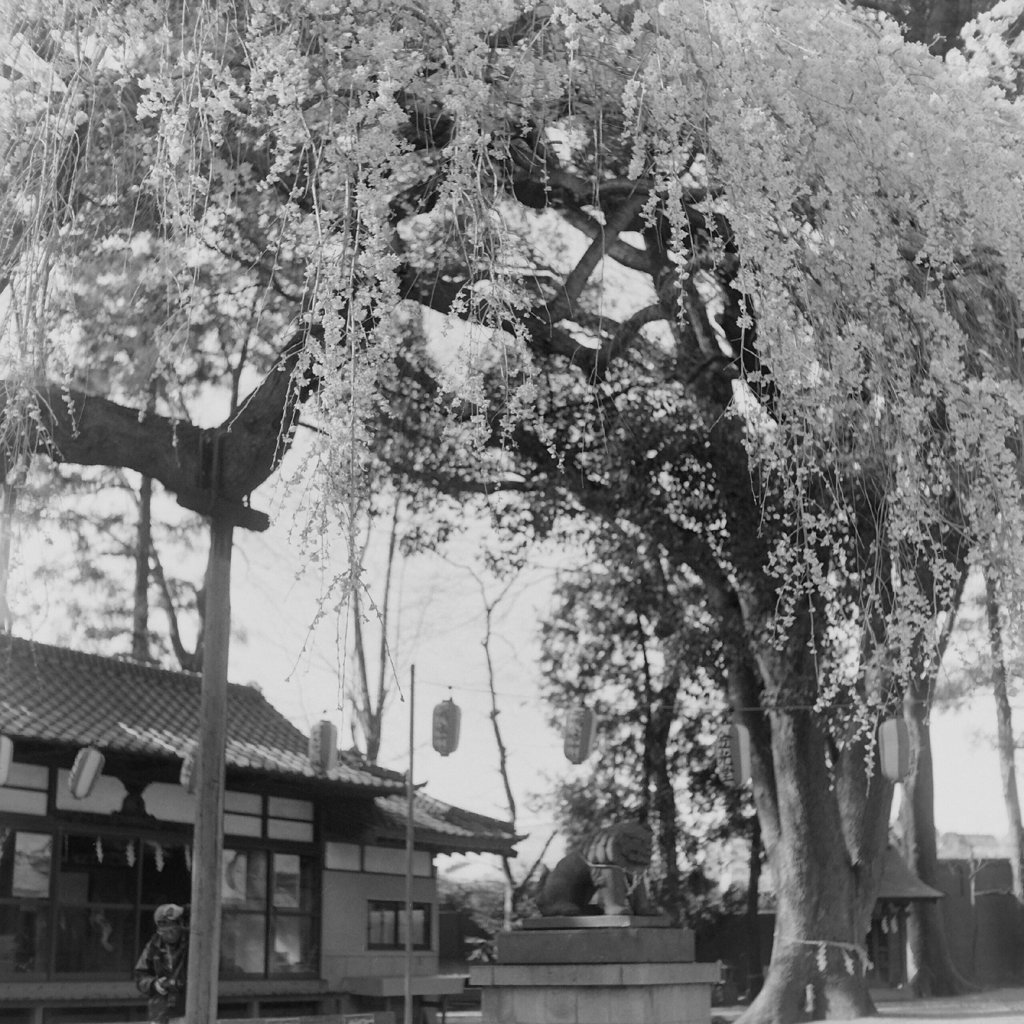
(40, 906)
(58, 900)
(270, 913)
(58, 827)
(139, 909)
(397, 908)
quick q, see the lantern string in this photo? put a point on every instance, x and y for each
(820, 708)
(781, 707)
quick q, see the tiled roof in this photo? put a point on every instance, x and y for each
(441, 825)
(56, 695)
(898, 882)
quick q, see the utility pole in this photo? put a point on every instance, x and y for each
(409, 834)
(208, 838)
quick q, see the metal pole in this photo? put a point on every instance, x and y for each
(208, 838)
(409, 851)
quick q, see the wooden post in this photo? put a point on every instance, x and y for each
(208, 838)
(407, 1018)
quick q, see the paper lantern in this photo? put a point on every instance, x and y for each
(188, 776)
(446, 725)
(580, 733)
(85, 771)
(894, 749)
(323, 747)
(732, 755)
(6, 757)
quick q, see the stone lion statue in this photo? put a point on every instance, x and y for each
(606, 874)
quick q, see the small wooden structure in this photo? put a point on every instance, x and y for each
(887, 940)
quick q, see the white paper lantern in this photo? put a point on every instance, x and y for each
(732, 754)
(894, 749)
(188, 776)
(446, 726)
(6, 758)
(85, 771)
(580, 733)
(323, 747)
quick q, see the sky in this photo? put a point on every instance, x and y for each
(443, 635)
(442, 629)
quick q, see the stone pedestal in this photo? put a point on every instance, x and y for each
(596, 970)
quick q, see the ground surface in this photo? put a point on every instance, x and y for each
(999, 1006)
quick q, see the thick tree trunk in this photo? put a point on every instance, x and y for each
(818, 957)
(752, 953)
(823, 815)
(932, 968)
(1005, 739)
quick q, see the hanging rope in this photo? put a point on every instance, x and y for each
(849, 951)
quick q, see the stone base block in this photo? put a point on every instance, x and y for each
(588, 946)
(654, 982)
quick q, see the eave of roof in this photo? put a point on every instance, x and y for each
(55, 697)
(899, 883)
(443, 827)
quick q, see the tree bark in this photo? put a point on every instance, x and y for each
(818, 958)
(822, 818)
(666, 826)
(932, 968)
(1005, 738)
(656, 741)
(754, 969)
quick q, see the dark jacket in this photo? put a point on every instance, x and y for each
(159, 960)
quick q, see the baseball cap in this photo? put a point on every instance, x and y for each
(169, 913)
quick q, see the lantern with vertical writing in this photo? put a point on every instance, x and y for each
(732, 754)
(580, 732)
(188, 773)
(6, 757)
(323, 747)
(894, 749)
(446, 725)
(85, 771)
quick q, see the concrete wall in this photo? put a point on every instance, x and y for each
(346, 897)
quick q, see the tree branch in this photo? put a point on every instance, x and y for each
(622, 252)
(206, 469)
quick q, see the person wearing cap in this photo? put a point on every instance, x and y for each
(161, 967)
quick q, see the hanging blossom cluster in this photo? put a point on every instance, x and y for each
(879, 265)
(366, 158)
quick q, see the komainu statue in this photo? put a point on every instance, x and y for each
(604, 875)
